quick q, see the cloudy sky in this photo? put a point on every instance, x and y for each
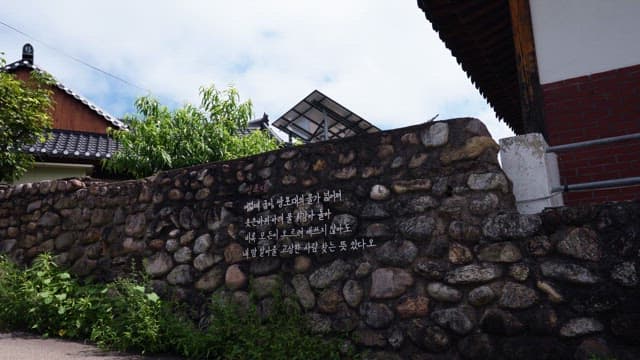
(379, 58)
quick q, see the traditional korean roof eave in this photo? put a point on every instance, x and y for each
(479, 35)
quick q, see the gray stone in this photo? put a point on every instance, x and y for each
(301, 264)
(135, 224)
(552, 293)
(442, 292)
(352, 293)
(203, 262)
(180, 275)
(369, 338)
(347, 222)
(233, 253)
(202, 194)
(287, 155)
(101, 217)
(568, 272)
(346, 159)
(481, 296)
(83, 266)
(458, 320)
(511, 226)
(264, 286)
(397, 162)
(265, 173)
(65, 240)
(505, 252)
(412, 307)
(329, 301)
(363, 269)
(234, 278)
(183, 255)
(473, 148)
(500, 322)
(264, 266)
(459, 254)
(517, 296)
(454, 204)
(396, 339)
(625, 274)
(345, 173)
(318, 324)
(580, 327)
(417, 228)
(303, 292)
(376, 315)
(431, 269)
(434, 339)
(172, 245)
(49, 219)
(202, 244)
(470, 274)
(417, 160)
(175, 194)
(158, 264)
(417, 204)
(186, 218)
(7, 245)
(379, 192)
(287, 180)
(388, 283)
(488, 181)
(519, 271)
(462, 231)
(404, 186)
(539, 245)
(397, 253)
(325, 276)
(374, 210)
(484, 204)
(436, 135)
(377, 230)
(211, 280)
(580, 243)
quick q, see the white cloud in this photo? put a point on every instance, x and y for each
(381, 59)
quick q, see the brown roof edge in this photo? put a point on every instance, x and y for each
(480, 36)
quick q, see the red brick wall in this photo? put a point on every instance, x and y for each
(591, 107)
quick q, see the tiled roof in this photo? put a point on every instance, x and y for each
(75, 145)
(114, 121)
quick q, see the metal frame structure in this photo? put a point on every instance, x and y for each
(318, 118)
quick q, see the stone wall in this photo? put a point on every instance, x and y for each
(407, 241)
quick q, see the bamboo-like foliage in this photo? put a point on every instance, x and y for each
(25, 117)
(161, 139)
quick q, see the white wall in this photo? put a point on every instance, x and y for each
(52, 171)
(580, 37)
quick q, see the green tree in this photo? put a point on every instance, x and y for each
(161, 139)
(25, 117)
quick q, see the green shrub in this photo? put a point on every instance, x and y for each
(241, 333)
(131, 319)
(45, 299)
(125, 316)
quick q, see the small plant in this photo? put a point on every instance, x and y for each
(131, 319)
(238, 333)
(124, 315)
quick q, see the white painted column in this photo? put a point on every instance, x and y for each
(532, 170)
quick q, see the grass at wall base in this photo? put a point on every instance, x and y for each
(124, 315)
